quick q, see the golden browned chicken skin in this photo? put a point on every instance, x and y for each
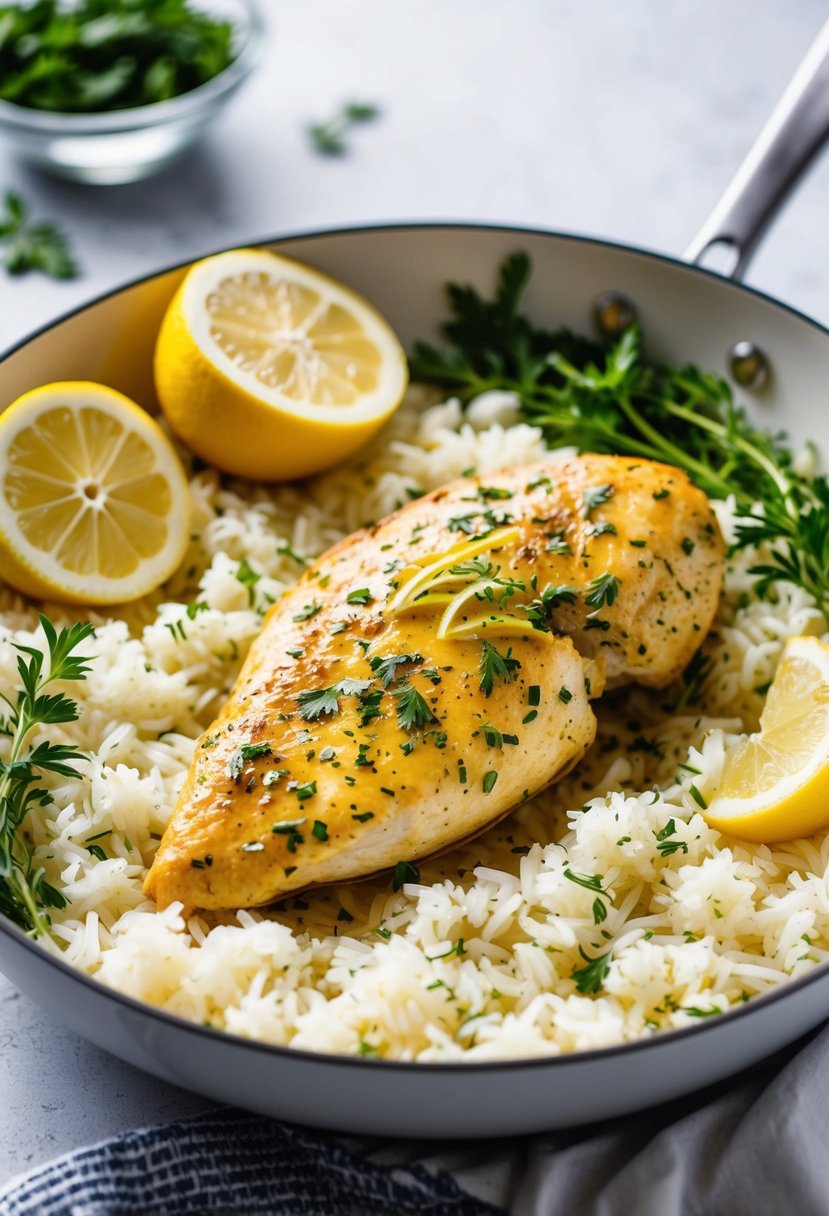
(434, 671)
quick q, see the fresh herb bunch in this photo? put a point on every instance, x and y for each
(25, 895)
(25, 246)
(96, 55)
(614, 401)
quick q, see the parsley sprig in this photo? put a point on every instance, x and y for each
(615, 401)
(25, 895)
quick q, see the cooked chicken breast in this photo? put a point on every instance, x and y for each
(434, 671)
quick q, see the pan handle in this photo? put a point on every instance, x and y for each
(783, 151)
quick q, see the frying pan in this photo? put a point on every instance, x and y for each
(689, 313)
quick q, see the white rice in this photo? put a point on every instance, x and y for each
(476, 960)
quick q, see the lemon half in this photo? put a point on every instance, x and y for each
(775, 784)
(94, 504)
(270, 370)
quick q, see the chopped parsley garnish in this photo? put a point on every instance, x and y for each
(661, 494)
(25, 245)
(285, 549)
(320, 830)
(385, 668)
(534, 694)
(306, 790)
(404, 871)
(489, 781)
(565, 695)
(364, 817)
(308, 611)
(360, 596)
(596, 622)
(593, 882)
(413, 710)
(314, 702)
(248, 577)
(602, 590)
(557, 545)
(463, 523)
(494, 492)
(495, 666)
(688, 547)
(370, 705)
(493, 736)
(589, 979)
(540, 610)
(602, 528)
(290, 828)
(666, 847)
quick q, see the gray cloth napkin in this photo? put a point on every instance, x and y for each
(754, 1146)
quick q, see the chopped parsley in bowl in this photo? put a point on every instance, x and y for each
(110, 91)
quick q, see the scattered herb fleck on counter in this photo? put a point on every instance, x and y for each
(101, 55)
(328, 138)
(25, 246)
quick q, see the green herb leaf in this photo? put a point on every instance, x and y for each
(404, 871)
(602, 590)
(413, 710)
(589, 979)
(495, 666)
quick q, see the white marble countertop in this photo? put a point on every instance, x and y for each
(623, 121)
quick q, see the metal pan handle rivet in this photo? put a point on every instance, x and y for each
(613, 313)
(748, 365)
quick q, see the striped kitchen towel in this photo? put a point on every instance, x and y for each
(226, 1163)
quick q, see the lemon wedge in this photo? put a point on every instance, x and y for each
(94, 504)
(775, 784)
(270, 370)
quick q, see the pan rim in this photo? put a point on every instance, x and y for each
(664, 1039)
(404, 225)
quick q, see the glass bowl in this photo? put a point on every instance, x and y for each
(120, 146)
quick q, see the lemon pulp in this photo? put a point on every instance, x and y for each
(775, 783)
(94, 504)
(270, 370)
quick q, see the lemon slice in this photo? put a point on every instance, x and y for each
(270, 370)
(94, 504)
(775, 784)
